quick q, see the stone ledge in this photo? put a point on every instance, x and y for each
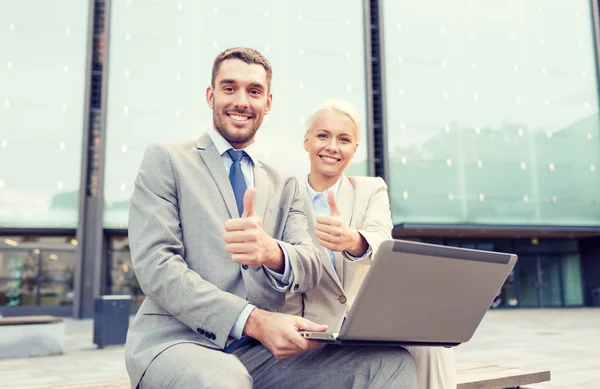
(29, 340)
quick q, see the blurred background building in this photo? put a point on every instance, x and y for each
(482, 116)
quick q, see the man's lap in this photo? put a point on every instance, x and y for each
(190, 365)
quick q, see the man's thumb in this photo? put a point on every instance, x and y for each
(249, 202)
(307, 325)
(333, 208)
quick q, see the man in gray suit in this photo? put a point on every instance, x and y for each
(217, 239)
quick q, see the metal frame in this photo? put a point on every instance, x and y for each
(90, 269)
(84, 164)
(384, 163)
(38, 231)
(370, 119)
(596, 33)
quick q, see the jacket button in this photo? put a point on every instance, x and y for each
(296, 287)
(200, 331)
(245, 267)
(342, 299)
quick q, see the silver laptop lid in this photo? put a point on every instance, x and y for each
(418, 292)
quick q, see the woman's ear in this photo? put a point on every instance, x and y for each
(306, 142)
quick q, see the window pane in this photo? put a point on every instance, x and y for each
(161, 57)
(35, 269)
(18, 272)
(43, 50)
(488, 121)
(572, 280)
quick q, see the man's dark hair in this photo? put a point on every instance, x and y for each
(245, 54)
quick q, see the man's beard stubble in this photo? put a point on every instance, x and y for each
(235, 138)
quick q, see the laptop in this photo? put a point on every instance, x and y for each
(422, 294)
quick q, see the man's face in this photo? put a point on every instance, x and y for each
(240, 100)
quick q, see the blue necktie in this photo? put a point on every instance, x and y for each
(238, 183)
(236, 177)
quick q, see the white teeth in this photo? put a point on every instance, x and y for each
(329, 159)
(238, 118)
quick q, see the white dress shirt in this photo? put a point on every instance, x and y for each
(247, 165)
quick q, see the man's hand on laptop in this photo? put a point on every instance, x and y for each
(279, 333)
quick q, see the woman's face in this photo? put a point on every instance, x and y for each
(331, 143)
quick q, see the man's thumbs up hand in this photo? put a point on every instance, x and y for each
(247, 241)
(249, 203)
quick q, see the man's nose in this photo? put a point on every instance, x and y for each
(241, 100)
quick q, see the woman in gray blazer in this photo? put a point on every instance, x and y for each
(350, 217)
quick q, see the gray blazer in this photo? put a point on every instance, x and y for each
(195, 292)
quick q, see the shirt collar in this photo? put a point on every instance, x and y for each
(222, 145)
(312, 193)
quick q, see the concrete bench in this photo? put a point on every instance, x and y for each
(481, 376)
(27, 336)
(469, 376)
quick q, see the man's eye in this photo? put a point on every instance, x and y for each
(228, 89)
(255, 92)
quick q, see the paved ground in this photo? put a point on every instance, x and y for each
(566, 341)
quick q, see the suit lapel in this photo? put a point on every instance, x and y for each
(263, 185)
(214, 164)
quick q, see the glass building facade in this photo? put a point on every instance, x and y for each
(488, 115)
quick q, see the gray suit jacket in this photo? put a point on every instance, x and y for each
(195, 292)
(365, 206)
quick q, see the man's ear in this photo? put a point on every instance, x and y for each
(269, 103)
(210, 97)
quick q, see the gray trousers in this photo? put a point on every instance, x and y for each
(190, 366)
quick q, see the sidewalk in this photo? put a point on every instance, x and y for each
(566, 341)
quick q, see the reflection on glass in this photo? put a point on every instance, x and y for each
(36, 270)
(488, 121)
(18, 272)
(551, 284)
(161, 57)
(528, 281)
(507, 296)
(571, 265)
(42, 85)
(122, 279)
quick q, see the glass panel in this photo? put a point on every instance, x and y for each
(56, 293)
(507, 296)
(18, 273)
(488, 121)
(572, 280)
(528, 281)
(161, 57)
(36, 269)
(122, 279)
(43, 51)
(551, 287)
(57, 277)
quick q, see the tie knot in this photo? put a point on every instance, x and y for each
(236, 155)
(321, 197)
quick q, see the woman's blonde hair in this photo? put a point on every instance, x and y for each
(341, 106)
